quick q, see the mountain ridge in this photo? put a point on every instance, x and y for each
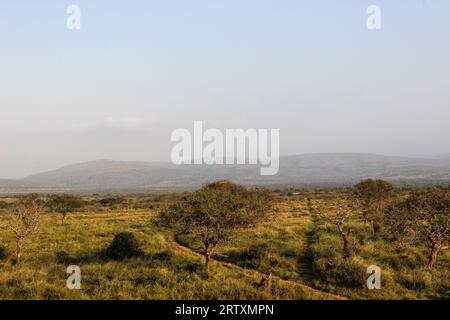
(295, 170)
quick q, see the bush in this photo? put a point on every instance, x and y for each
(63, 257)
(125, 245)
(3, 252)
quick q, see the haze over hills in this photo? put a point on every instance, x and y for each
(442, 157)
(325, 169)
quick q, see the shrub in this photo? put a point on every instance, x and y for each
(63, 257)
(3, 252)
(124, 245)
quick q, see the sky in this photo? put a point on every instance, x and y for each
(138, 70)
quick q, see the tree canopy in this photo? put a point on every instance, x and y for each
(423, 216)
(214, 212)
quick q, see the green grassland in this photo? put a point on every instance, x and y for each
(301, 251)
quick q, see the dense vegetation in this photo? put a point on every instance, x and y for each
(302, 244)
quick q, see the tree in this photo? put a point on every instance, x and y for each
(22, 219)
(424, 217)
(213, 213)
(373, 195)
(65, 204)
(339, 215)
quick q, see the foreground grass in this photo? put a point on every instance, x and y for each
(302, 252)
(298, 246)
(403, 266)
(164, 272)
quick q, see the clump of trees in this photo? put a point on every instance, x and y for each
(213, 213)
(423, 217)
(22, 219)
(65, 204)
(373, 196)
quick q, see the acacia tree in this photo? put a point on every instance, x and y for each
(373, 196)
(65, 204)
(339, 214)
(22, 219)
(423, 217)
(213, 213)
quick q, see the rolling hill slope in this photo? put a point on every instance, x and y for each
(307, 169)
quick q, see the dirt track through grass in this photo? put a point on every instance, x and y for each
(183, 249)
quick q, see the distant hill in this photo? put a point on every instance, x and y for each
(442, 157)
(10, 183)
(111, 175)
(325, 169)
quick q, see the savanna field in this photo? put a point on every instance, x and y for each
(298, 249)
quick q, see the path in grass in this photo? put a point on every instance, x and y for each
(305, 259)
(308, 291)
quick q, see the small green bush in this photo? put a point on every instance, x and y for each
(124, 245)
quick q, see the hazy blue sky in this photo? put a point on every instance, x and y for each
(139, 69)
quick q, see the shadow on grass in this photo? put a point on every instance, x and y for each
(163, 258)
(305, 261)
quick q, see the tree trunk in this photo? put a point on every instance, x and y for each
(372, 227)
(344, 238)
(19, 249)
(268, 288)
(208, 254)
(207, 261)
(433, 255)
